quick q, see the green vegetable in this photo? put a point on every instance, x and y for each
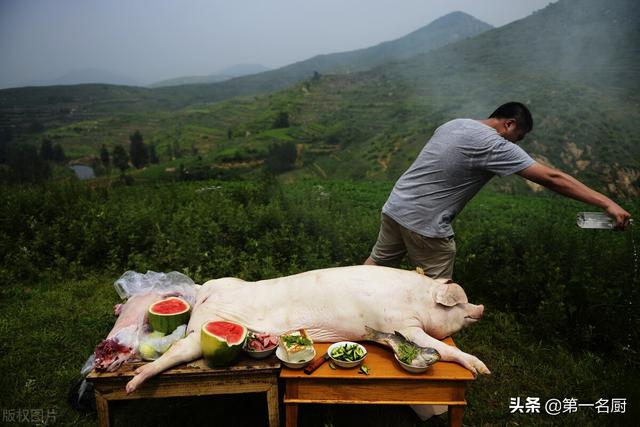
(332, 366)
(364, 369)
(407, 352)
(348, 352)
(295, 339)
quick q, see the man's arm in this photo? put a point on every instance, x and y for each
(567, 185)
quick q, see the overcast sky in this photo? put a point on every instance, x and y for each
(151, 40)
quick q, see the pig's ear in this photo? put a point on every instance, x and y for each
(449, 294)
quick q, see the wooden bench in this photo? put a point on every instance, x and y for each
(444, 383)
(191, 379)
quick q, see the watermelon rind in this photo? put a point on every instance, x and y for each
(167, 323)
(216, 350)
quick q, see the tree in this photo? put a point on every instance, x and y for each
(6, 135)
(104, 157)
(46, 150)
(177, 152)
(120, 158)
(229, 134)
(58, 153)
(281, 157)
(153, 156)
(25, 165)
(138, 151)
(36, 127)
(282, 121)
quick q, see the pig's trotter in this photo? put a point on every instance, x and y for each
(142, 373)
(472, 363)
(185, 350)
(447, 353)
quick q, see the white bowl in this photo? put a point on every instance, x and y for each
(411, 368)
(344, 363)
(282, 355)
(260, 354)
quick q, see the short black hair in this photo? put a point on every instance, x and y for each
(517, 111)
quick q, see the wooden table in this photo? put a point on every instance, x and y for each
(192, 379)
(443, 383)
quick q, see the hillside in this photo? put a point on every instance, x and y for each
(85, 76)
(371, 124)
(49, 106)
(575, 63)
(445, 30)
(238, 70)
(586, 41)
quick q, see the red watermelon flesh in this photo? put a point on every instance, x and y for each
(166, 315)
(232, 333)
(168, 306)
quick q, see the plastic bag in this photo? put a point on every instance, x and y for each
(140, 290)
(132, 283)
(155, 344)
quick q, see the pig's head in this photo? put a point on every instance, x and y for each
(110, 354)
(452, 310)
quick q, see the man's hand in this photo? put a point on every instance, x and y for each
(621, 216)
(567, 185)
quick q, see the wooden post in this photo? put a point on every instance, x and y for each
(456, 414)
(102, 408)
(272, 405)
(291, 415)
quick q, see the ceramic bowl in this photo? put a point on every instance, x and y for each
(260, 354)
(344, 363)
(411, 368)
(282, 355)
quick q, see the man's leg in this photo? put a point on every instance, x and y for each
(435, 256)
(389, 248)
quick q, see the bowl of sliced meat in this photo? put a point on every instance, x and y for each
(260, 345)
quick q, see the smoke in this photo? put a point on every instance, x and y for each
(574, 63)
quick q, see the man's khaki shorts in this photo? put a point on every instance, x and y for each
(434, 255)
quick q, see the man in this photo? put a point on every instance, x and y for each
(462, 156)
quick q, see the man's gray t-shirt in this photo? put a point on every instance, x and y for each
(461, 156)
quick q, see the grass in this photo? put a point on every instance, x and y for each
(41, 354)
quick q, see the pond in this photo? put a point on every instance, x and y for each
(83, 172)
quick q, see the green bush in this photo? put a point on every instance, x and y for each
(522, 255)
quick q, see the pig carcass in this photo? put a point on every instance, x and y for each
(332, 304)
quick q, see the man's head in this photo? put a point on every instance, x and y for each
(513, 121)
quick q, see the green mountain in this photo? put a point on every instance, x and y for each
(51, 104)
(445, 30)
(371, 124)
(586, 41)
(87, 75)
(238, 70)
(575, 63)
(448, 29)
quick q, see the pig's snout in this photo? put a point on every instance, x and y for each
(474, 312)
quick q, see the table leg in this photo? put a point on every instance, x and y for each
(272, 406)
(291, 415)
(102, 408)
(455, 416)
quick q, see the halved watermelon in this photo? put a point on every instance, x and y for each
(221, 342)
(166, 315)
